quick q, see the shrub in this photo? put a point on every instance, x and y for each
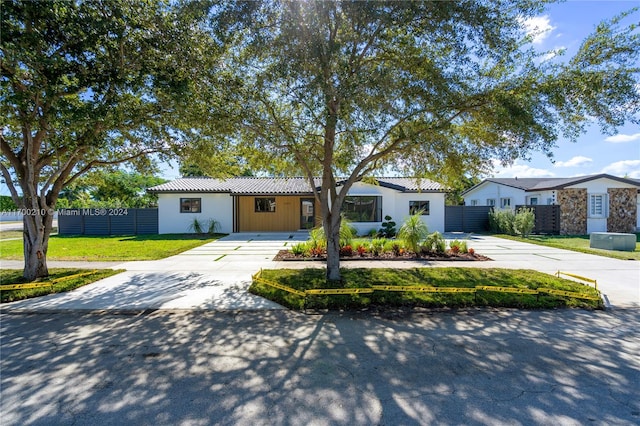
(414, 230)
(377, 246)
(196, 226)
(463, 247)
(388, 229)
(300, 249)
(317, 238)
(472, 251)
(524, 221)
(457, 246)
(346, 250)
(213, 226)
(502, 221)
(347, 232)
(435, 242)
(361, 249)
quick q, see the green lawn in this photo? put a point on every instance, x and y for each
(437, 277)
(110, 248)
(578, 243)
(57, 277)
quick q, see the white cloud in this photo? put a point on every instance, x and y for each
(539, 28)
(520, 170)
(577, 161)
(622, 138)
(629, 168)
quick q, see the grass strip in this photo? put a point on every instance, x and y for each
(111, 248)
(446, 281)
(578, 243)
(59, 280)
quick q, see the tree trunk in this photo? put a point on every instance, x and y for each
(332, 232)
(37, 228)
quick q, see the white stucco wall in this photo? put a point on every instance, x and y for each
(396, 205)
(491, 190)
(214, 206)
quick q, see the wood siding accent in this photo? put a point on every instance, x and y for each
(286, 218)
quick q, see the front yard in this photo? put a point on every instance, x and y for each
(467, 287)
(579, 243)
(111, 248)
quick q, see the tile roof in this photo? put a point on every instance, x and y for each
(294, 185)
(538, 184)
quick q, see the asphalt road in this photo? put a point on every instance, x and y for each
(472, 367)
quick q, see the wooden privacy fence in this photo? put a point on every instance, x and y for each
(107, 221)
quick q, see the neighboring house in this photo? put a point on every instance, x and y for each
(597, 203)
(249, 204)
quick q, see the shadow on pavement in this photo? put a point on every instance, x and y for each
(278, 367)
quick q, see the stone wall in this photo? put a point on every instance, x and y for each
(622, 209)
(573, 211)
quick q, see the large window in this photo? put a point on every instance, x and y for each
(417, 206)
(265, 205)
(190, 205)
(362, 209)
(598, 205)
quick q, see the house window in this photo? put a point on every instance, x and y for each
(491, 202)
(362, 209)
(533, 201)
(597, 205)
(474, 202)
(190, 205)
(265, 205)
(416, 206)
(505, 203)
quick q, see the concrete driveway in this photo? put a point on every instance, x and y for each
(215, 276)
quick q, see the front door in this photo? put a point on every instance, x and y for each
(307, 213)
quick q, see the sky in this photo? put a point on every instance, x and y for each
(561, 26)
(565, 26)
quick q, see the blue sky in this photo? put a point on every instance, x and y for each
(563, 26)
(566, 25)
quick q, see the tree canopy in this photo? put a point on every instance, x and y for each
(89, 84)
(346, 89)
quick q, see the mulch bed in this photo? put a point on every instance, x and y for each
(286, 255)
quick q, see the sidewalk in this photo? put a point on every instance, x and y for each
(216, 276)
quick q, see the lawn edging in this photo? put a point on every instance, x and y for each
(14, 287)
(302, 289)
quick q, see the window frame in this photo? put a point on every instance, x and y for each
(425, 211)
(377, 213)
(270, 201)
(491, 202)
(502, 204)
(603, 211)
(190, 202)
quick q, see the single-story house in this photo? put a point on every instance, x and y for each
(257, 204)
(596, 203)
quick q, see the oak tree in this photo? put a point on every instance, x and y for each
(345, 89)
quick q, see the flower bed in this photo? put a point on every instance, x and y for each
(287, 255)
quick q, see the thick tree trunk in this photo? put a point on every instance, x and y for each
(37, 228)
(332, 232)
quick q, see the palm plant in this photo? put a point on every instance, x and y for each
(413, 231)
